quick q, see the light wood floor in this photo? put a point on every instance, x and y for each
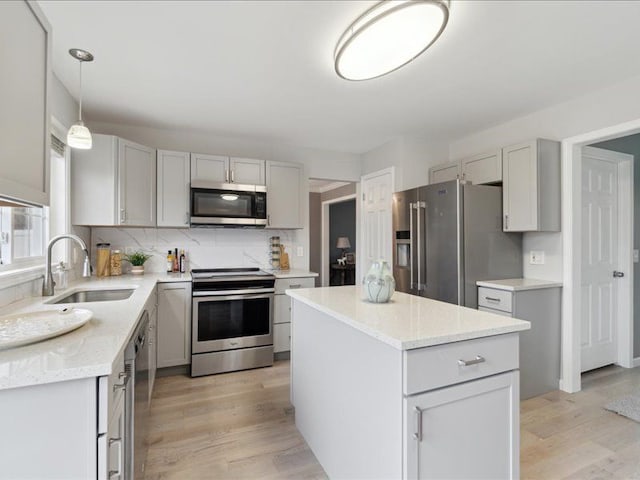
(240, 425)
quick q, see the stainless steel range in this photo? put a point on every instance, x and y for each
(232, 320)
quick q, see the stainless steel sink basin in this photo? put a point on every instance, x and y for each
(83, 296)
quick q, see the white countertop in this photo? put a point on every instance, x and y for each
(89, 351)
(407, 321)
(517, 284)
(293, 273)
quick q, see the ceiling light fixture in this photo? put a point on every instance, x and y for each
(79, 136)
(388, 36)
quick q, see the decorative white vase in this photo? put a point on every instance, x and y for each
(379, 284)
(137, 270)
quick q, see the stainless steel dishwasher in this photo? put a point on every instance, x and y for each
(137, 400)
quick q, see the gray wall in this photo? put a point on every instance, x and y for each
(315, 234)
(342, 223)
(631, 145)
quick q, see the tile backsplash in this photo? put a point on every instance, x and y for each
(204, 247)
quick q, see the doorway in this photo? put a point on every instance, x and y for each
(333, 231)
(597, 210)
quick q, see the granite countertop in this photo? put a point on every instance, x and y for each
(89, 351)
(407, 321)
(518, 284)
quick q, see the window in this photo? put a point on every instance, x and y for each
(25, 229)
(23, 234)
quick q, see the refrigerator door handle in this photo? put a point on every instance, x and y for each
(411, 249)
(419, 206)
(418, 247)
(423, 205)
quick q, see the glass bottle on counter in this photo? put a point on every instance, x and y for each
(183, 262)
(169, 261)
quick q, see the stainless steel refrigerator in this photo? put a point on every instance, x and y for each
(448, 235)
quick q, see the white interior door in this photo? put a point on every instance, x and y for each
(600, 257)
(377, 190)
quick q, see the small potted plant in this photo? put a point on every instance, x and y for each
(137, 259)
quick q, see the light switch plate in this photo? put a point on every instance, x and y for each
(536, 257)
(299, 251)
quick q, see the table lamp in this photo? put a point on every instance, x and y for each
(343, 244)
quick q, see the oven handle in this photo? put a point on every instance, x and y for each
(236, 294)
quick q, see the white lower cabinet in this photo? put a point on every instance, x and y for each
(111, 447)
(282, 310)
(442, 426)
(174, 324)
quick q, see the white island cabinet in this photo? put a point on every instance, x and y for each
(414, 388)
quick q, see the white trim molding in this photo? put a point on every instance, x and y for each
(571, 239)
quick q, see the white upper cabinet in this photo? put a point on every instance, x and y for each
(114, 183)
(174, 179)
(25, 56)
(209, 168)
(284, 194)
(222, 169)
(481, 169)
(444, 172)
(136, 184)
(247, 170)
(531, 186)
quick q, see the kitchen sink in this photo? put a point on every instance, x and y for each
(85, 296)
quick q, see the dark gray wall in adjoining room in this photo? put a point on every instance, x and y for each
(342, 223)
(631, 145)
(315, 234)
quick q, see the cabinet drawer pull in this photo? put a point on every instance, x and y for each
(295, 285)
(418, 434)
(492, 299)
(466, 363)
(233, 176)
(118, 472)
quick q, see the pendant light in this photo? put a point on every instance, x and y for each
(388, 36)
(79, 136)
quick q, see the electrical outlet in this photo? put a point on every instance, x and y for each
(299, 252)
(129, 250)
(536, 257)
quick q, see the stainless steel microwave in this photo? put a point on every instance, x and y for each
(228, 205)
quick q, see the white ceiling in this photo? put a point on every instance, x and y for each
(263, 69)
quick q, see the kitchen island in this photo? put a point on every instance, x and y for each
(414, 388)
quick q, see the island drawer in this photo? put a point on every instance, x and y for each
(284, 284)
(442, 365)
(494, 298)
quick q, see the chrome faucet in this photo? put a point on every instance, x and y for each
(48, 283)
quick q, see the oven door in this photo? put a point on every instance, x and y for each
(229, 322)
